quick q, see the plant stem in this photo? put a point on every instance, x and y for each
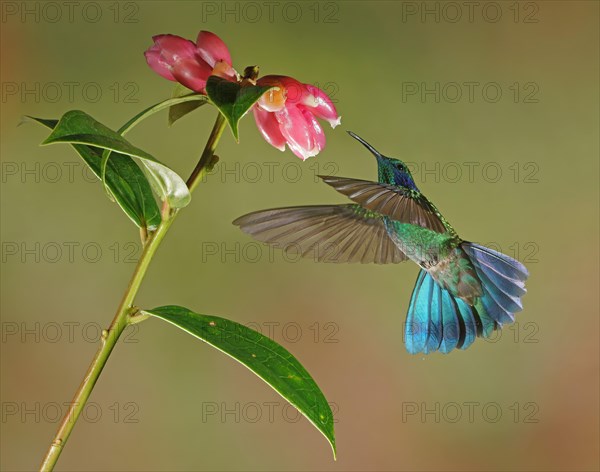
(126, 308)
(207, 155)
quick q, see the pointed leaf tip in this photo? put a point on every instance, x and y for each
(124, 179)
(77, 127)
(263, 356)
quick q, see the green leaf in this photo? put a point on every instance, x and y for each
(187, 99)
(125, 181)
(263, 356)
(169, 102)
(232, 99)
(76, 126)
(181, 109)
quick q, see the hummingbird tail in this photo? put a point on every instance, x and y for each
(439, 321)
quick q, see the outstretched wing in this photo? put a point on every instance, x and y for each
(327, 233)
(398, 203)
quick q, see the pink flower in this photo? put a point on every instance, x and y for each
(287, 114)
(180, 60)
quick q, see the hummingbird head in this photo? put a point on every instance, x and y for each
(390, 171)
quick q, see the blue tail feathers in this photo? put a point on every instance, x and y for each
(439, 321)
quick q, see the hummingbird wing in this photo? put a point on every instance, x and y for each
(327, 233)
(394, 201)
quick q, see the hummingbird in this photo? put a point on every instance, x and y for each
(463, 290)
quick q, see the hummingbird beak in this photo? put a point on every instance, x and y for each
(375, 152)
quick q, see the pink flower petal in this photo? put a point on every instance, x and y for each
(269, 127)
(157, 64)
(302, 153)
(173, 48)
(321, 105)
(296, 92)
(297, 132)
(211, 49)
(317, 132)
(192, 74)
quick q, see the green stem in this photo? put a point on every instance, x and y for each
(126, 308)
(206, 158)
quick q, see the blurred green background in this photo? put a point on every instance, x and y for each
(527, 401)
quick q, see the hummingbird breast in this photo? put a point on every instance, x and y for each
(456, 274)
